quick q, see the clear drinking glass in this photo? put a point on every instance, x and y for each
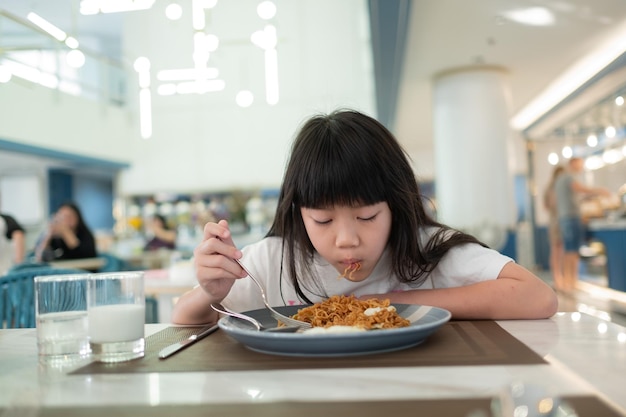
(116, 313)
(61, 314)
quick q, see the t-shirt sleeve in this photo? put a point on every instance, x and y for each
(467, 264)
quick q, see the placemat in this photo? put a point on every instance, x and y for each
(472, 407)
(480, 342)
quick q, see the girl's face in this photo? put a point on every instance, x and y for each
(346, 236)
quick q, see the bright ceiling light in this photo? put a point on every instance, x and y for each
(567, 152)
(532, 16)
(612, 156)
(5, 74)
(47, 27)
(594, 162)
(187, 74)
(145, 113)
(266, 10)
(553, 158)
(610, 132)
(244, 98)
(174, 11)
(266, 38)
(71, 42)
(592, 140)
(211, 42)
(142, 64)
(88, 7)
(619, 100)
(75, 58)
(578, 74)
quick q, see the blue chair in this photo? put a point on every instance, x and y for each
(17, 295)
(29, 265)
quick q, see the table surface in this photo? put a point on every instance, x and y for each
(585, 356)
(83, 263)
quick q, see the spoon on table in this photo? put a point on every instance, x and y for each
(283, 329)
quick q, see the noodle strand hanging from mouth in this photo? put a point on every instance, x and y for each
(341, 310)
(350, 269)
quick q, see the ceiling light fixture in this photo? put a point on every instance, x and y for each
(89, 7)
(198, 18)
(71, 42)
(244, 98)
(267, 39)
(5, 74)
(567, 152)
(532, 16)
(173, 11)
(571, 80)
(75, 58)
(46, 26)
(187, 74)
(592, 141)
(266, 10)
(553, 158)
(142, 66)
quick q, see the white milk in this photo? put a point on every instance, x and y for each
(116, 323)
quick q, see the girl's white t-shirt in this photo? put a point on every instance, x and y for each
(462, 265)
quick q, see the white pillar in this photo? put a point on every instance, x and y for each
(473, 161)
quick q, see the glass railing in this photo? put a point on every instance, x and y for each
(31, 54)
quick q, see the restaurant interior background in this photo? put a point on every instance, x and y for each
(188, 107)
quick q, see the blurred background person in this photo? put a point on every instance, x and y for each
(12, 243)
(554, 232)
(568, 190)
(162, 237)
(67, 237)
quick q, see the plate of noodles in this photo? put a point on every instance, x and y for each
(340, 328)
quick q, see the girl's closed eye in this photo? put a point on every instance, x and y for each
(369, 218)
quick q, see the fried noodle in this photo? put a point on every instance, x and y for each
(341, 310)
(350, 269)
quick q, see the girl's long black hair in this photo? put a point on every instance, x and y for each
(348, 158)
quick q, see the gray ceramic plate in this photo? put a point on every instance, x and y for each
(425, 320)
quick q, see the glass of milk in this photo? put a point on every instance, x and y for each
(116, 314)
(61, 318)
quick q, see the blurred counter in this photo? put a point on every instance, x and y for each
(611, 232)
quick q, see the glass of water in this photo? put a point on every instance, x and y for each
(116, 315)
(61, 314)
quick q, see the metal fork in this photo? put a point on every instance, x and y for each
(278, 316)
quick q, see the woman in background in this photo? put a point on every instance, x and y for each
(163, 236)
(67, 237)
(12, 243)
(554, 232)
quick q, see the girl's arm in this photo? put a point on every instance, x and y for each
(215, 272)
(515, 294)
(194, 307)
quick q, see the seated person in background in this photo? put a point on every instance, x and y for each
(67, 237)
(12, 243)
(162, 236)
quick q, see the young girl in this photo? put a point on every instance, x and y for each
(350, 220)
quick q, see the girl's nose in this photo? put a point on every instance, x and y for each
(346, 237)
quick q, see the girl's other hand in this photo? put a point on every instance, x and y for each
(213, 259)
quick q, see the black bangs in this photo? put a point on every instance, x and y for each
(340, 164)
